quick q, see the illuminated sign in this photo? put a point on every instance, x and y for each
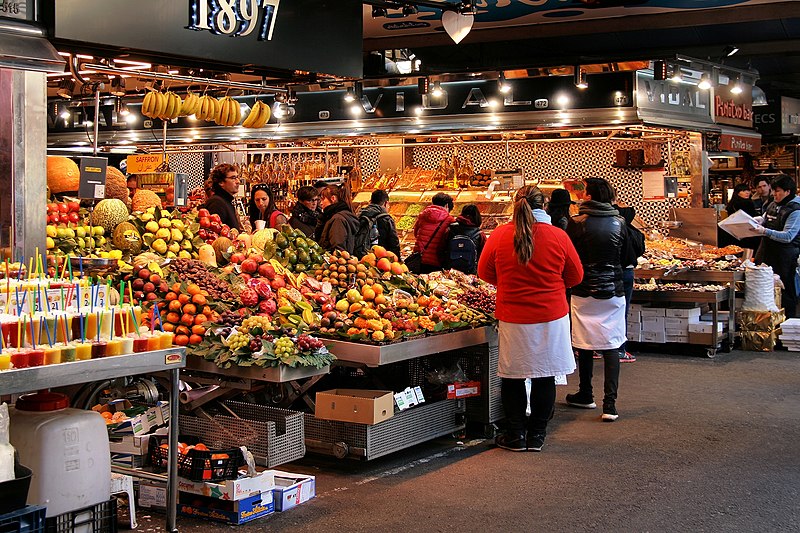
(236, 18)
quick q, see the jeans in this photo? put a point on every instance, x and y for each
(515, 401)
(610, 373)
(627, 285)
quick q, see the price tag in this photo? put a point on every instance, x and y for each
(93, 178)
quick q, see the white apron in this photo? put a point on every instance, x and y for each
(598, 324)
(535, 350)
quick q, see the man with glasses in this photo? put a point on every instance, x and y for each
(306, 211)
(225, 184)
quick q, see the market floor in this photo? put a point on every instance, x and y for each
(701, 445)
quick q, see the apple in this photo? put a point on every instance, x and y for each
(73, 206)
(63, 218)
(63, 208)
(54, 218)
(203, 213)
(52, 208)
(137, 284)
(215, 218)
(226, 231)
(215, 226)
(203, 234)
(266, 271)
(205, 222)
(73, 217)
(250, 266)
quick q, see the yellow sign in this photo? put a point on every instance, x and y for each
(139, 163)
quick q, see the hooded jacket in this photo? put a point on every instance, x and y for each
(599, 236)
(387, 232)
(430, 241)
(304, 219)
(222, 204)
(339, 228)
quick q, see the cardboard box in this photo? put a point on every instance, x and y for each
(653, 312)
(129, 444)
(722, 316)
(354, 405)
(152, 494)
(634, 316)
(128, 460)
(230, 512)
(682, 312)
(706, 327)
(144, 423)
(469, 389)
(677, 331)
(636, 307)
(684, 338)
(654, 323)
(654, 336)
(702, 338)
(292, 489)
(634, 336)
(676, 323)
(633, 326)
(233, 489)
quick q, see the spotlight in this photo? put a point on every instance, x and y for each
(423, 85)
(131, 118)
(356, 109)
(759, 96)
(503, 85)
(378, 12)
(677, 75)
(705, 83)
(580, 78)
(66, 88)
(65, 114)
(123, 110)
(730, 50)
(437, 90)
(419, 110)
(737, 86)
(118, 86)
(409, 10)
(562, 100)
(279, 110)
(349, 96)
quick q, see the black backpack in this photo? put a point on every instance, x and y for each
(367, 235)
(462, 254)
(634, 246)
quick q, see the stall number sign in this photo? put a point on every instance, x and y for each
(93, 178)
(53, 297)
(236, 18)
(140, 163)
(15, 9)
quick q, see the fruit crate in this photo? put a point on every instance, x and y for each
(274, 436)
(100, 518)
(200, 465)
(30, 519)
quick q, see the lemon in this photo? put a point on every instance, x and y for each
(50, 243)
(178, 224)
(174, 247)
(159, 246)
(152, 226)
(146, 217)
(98, 231)
(115, 254)
(164, 223)
(177, 236)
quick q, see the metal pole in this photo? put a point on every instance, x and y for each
(172, 466)
(164, 142)
(96, 120)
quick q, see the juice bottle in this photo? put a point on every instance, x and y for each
(83, 351)
(5, 360)
(140, 344)
(165, 339)
(127, 345)
(98, 349)
(113, 347)
(36, 357)
(20, 358)
(52, 355)
(69, 353)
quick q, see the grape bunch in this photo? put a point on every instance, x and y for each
(479, 299)
(284, 346)
(253, 322)
(230, 318)
(255, 344)
(238, 341)
(197, 272)
(306, 343)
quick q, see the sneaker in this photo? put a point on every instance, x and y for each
(596, 355)
(581, 400)
(535, 442)
(511, 441)
(627, 357)
(609, 413)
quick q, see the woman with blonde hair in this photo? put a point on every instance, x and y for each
(532, 263)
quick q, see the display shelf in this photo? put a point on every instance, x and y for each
(279, 374)
(376, 355)
(719, 276)
(682, 296)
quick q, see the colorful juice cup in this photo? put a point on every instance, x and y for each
(9, 330)
(113, 347)
(83, 351)
(153, 343)
(69, 353)
(99, 349)
(5, 360)
(165, 339)
(36, 357)
(127, 345)
(52, 355)
(91, 326)
(105, 326)
(20, 358)
(140, 344)
(60, 327)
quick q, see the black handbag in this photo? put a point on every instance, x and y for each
(414, 260)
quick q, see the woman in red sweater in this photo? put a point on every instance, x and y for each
(532, 263)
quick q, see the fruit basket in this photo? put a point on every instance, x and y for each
(201, 465)
(94, 265)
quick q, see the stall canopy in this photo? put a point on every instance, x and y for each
(23, 46)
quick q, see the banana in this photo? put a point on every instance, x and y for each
(162, 104)
(217, 110)
(188, 105)
(176, 106)
(147, 104)
(237, 113)
(253, 116)
(263, 117)
(203, 109)
(167, 108)
(224, 112)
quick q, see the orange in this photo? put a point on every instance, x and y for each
(182, 330)
(193, 289)
(174, 305)
(173, 318)
(187, 320)
(199, 299)
(199, 319)
(184, 298)
(195, 339)
(176, 287)
(171, 296)
(190, 309)
(377, 288)
(169, 327)
(181, 340)
(198, 329)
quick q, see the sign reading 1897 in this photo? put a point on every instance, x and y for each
(236, 18)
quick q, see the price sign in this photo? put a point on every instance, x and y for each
(93, 178)
(141, 163)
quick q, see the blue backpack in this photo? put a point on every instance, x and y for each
(462, 254)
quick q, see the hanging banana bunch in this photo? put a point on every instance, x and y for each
(173, 106)
(258, 117)
(230, 112)
(209, 108)
(191, 105)
(154, 104)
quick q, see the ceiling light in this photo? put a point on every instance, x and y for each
(437, 90)
(409, 10)
(503, 85)
(759, 96)
(349, 96)
(378, 12)
(66, 88)
(705, 83)
(419, 110)
(65, 114)
(118, 87)
(580, 78)
(123, 110)
(562, 100)
(677, 74)
(737, 86)
(730, 50)
(356, 109)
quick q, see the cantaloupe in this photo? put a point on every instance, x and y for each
(117, 185)
(109, 214)
(126, 238)
(63, 175)
(142, 199)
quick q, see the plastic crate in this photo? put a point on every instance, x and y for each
(100, 518)
(29, 519)
(198, 465)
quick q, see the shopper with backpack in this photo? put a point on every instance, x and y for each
(465, 241)
(376, 226)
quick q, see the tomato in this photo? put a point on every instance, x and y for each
(74, 217)
(63, 208)
(63, 217)
(74, 206)
(203, 213)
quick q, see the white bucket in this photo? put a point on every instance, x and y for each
(67, 450)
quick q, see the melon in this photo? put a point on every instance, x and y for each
(126, 238)
(109, 214)
(142, 199)
(261, 237)
(63, 175)
(221, 245)
(207, 255)
(117, 185)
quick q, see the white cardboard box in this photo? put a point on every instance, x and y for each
(705, 327)
(654, 336)
(722, 316)
(678, 312)
(637, 327)
(653, 311)
(635, 307)
(233, 489)
(292, 489)
(653, 323)
(634, 316)
(679, 323)
(152, 494)
(634, 336)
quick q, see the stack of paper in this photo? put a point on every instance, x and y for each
(790, 334)
(740, 225)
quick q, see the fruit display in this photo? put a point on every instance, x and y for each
(199, 274)
(69, 232)
(293, 250)
(652, 285)
(210, 226)
(117, 185)
(230, 112)
(258, 116)
(185, 311)
(679, 248)
(166, 106)
(109, 213)
(208, 108)
(165, 233)
(143, 199)
(147, 283)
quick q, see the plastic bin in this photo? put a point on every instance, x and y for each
(27, 520)
(14, 492)
(198, 465)
(100, 518)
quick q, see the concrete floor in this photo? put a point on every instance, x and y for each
(701, 445)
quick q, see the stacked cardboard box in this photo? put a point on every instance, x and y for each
(790, 334)
(633, 323)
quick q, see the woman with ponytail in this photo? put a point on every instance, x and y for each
(532, 263)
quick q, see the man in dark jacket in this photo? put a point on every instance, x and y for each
(225, 184)
(763, 196)
(376, 211)
(598, 302)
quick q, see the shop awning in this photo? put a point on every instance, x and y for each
(739, 139)
(23, 46)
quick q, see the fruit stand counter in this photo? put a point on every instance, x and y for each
(77, 372)
(476, 353)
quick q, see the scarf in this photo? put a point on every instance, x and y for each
(786, 200)
(597, 209)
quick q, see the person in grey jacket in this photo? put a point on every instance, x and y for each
(387, 231)
(337, 227)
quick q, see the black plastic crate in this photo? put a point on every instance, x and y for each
(197, 465)
(30, 519)
(100, 518)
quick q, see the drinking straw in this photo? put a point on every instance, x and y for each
(39, 264)
(113, 325)
(62, 307)
(66, 334)
(83, 327)
(30, 268)
(43, 307)
(95, 290)
(130, 291)
(80, 264)
(46, 329)
(19, 332)
(79, 297)
(20, 304)
(108, 292)
(100, 323)
(31, 305)
(69, 266)
(135, 323)
(160, 322)
(33, 341)
(19, 270)
(64, 268)
(2, 342)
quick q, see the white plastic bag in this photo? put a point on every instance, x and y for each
(759, 290)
